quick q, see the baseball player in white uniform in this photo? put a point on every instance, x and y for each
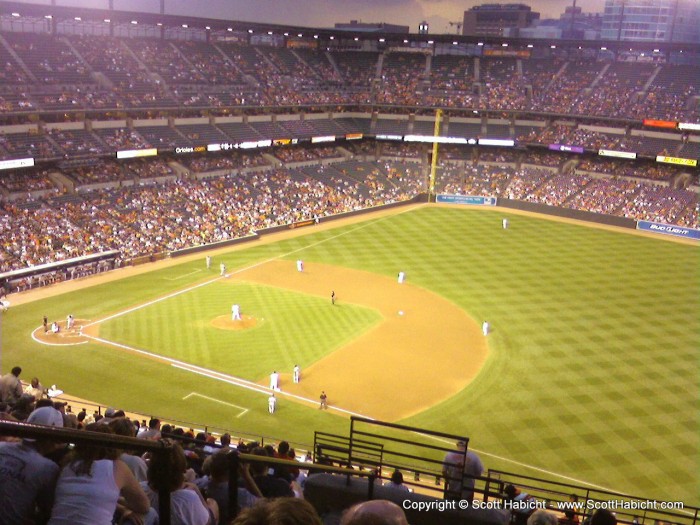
(236, 312)
(275, 380)
(271, 403)
(296, 374)
(300, 265)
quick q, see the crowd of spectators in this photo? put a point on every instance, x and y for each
(148, 169)
(160, 211)
(144, 73)
(541, 158)
(401, 75)
(557, 189)
(23, 181)
(622, 168)
(502, 87)
(177, 213)
(231, 161)
(498, 155)
(399, 149)
(288, 155)
(571, 135)
(124, 139)
(603, 195)
(101, 171)
(59, 484)
(633, 198)
(50, 481)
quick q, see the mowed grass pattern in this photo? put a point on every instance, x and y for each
(291, 328)
(593, 371)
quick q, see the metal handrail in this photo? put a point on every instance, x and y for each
(69, 435)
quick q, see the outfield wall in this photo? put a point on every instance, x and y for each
(581, 215)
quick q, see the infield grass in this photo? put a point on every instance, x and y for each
(593, 370)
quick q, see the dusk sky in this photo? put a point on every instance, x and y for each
(325, 13)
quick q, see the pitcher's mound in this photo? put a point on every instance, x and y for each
(224, 322)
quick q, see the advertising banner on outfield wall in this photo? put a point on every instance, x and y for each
(467, 199)
(669, 229)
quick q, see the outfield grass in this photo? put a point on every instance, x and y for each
(593, 371)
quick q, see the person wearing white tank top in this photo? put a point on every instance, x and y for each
(90, 485)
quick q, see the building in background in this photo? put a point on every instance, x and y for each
(495, 19)
(380, 27)
(657, 21)
(572, 24)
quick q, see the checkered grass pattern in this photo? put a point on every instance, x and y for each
(593, 370)
(292, 328)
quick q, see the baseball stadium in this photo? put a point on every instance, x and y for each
(489, 240)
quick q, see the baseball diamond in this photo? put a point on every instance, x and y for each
(586, 337)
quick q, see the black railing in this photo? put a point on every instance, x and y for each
(83, 437)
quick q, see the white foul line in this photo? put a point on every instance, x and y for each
(243, 412)
(183, 275)
(212, 374)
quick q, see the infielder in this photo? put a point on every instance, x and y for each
(300, 265)
(275, 380)
(235, 313)
(296, 374)
(271, 403)
(402, 277)
(485, 328)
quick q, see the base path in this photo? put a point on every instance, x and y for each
(407, 363)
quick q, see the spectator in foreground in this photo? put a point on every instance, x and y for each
(10, 386)
(279, 511)
(92, 483)
(460, 468)
(374, 512)
(124, 427)
(603, 517)
(217, 485)
(542, 517)
(396, 481)
(27, 477)
(269, 485)
(187, 506)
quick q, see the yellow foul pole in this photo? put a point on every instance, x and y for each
(433, 165)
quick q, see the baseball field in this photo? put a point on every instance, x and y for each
(589, 374)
